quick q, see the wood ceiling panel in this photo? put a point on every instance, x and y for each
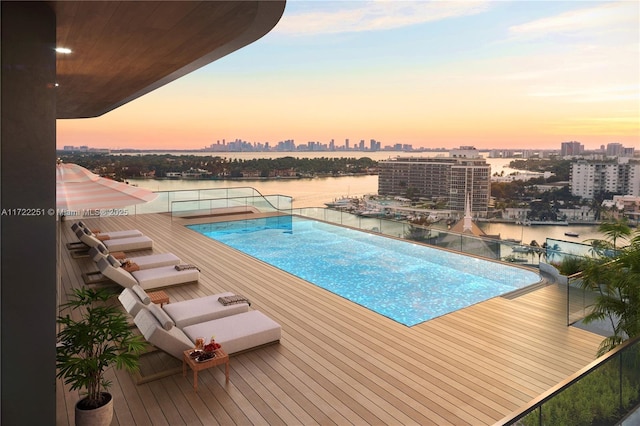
(122, 49)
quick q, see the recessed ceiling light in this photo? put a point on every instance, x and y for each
(63, 50)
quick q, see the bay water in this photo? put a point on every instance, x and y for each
(314, 192)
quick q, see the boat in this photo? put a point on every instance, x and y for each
(196, 174)
(571, 234)
(174, 175)
(512, 240)
(340, 203)
(371, 213)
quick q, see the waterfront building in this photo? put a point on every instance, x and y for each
(621, 176)
(449, 179)
(623, 206)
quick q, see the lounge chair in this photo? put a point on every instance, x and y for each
(143, 262)
(239, 332)
(137, 263)
(235, 333)
(162, 276)
(119, 244)
(111, 235)
(186, 312)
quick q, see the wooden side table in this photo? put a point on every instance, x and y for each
(159, 297)
(220, 358)
(131, 267)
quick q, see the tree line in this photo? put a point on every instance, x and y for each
(125, 166)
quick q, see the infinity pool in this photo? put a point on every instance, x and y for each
(407, 282)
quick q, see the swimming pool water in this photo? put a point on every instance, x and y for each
(407, 282)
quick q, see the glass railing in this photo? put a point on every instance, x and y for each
(230, 205)
(571, 256)
(433, 235)
(603, 393)
(559, 250)
(203, 199)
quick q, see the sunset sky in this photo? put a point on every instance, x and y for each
(493, 74)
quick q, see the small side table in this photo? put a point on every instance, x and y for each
(131, 267)
(159, 297)
(220, 358)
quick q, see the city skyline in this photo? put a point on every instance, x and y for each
(492, 74)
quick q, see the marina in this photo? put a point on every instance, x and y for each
(317, 192)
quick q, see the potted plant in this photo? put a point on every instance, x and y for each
(94, 336)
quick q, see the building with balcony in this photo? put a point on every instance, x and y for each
(447, 179)
(620, 176)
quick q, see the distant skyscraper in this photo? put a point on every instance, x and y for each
(571, 148)
(614, 150)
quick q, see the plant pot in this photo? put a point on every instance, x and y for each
(100, 416)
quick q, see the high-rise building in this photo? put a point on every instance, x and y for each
(617, 150)
(449, 179)
(571, 148)
(588, 178)
(614, 149)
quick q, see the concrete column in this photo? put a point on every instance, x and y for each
(27, 229)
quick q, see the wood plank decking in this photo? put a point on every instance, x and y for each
(338, 362)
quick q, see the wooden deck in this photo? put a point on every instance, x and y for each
(337, 362)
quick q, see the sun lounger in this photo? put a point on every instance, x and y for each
(235, 333)
(130, 263)
(203, 309)
(134, 299)
(163, 276)
(239, 332)
(119, 244)
(186, 312)
(111, 235)
(143, 262)
(172, 340)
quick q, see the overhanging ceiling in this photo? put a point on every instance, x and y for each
(122, 50)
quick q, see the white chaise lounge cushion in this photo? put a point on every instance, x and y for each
(165, 320)
(238, 332)
(120, 244)
(143, 262)
(142, 295)
(201, 309)
(131, 301)
(118, 275)
(149, 278)
(164, 276)
(111, 234)
(173, 342)
(129, 244)
(155, 260)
